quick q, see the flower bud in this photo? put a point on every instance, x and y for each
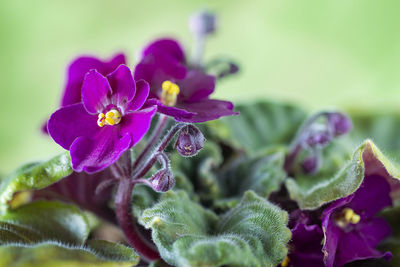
(202, 23)
(190, 141)
(318, 138)
(310, 165)
(340, 123)
(162, 181)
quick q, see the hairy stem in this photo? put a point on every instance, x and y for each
(158, 130)
(123, 208)
(161, 146)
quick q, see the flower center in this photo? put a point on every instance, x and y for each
(112, 117)
(169, 94)
(285, 262)
(347, 216)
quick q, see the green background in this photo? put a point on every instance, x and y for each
(319, 54)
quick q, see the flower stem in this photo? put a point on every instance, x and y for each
(123, 208)
(162, 145)
(161, 123)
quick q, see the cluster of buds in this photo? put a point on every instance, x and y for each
(317, 133)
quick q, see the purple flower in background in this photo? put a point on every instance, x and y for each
(305, 247)
(107, 122)
(351, 229)
(76, 73)
(178, 90)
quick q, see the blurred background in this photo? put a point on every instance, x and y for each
(317, 54)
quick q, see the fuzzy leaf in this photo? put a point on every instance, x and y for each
(254, 233)
(259, 125)
(54, 234)
(49, 254)
(313, 192)
(197, 175)
(41, 221)
(34, 176)
(262, 173)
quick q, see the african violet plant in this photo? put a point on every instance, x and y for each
(268, 187)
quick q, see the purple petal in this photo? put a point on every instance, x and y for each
(196, 86)
(137, 123)
(207, 110)
(100, 151)
(142, 92)
(357, 241)
(95, 92)
(371, 197)
(122, 86)
(177, 113)
(306, 246)
(360, 245)
(167, 46)
(77, 71)
(71, 122)
(158, 67)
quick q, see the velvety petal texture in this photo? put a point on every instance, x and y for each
(164, 60)
(96, 91)
(76, 73)
(123, 86)
(94, 146)
(71, 122)
(357, 241)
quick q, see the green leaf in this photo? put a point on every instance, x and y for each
(34, 176)
(55, 234)
(312, 192)
(41, 220)
(262, 173)
(197, 175)
(49, 254)
(254, 233)
(259, 125)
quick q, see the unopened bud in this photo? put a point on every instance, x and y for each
(318, 138)
(340, 123)
(162, 181)
(203, 23)
(310, 165)
(190, 141)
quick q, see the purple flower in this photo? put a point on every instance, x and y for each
(107, 122)
(76, 73)
(305, 247)
(351, 229)
(178, 90)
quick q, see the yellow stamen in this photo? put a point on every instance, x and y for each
(285, 262)
(347, 216)
(170, 92)
(112, 117)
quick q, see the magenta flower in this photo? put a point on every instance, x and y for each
(107, 122)
(177, 89)
(351, 228)
(76, 73)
